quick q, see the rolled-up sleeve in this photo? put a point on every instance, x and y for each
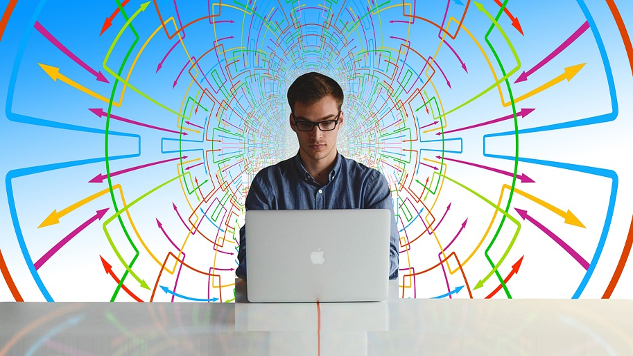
(378, 196)
(258, 198)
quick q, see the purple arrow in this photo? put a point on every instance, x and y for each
(100, 77)
(101, 177)
(160, 65)
(99, 214)
(523, 178)
(101, 113)
(431, 124)
(574, 36)
(523, 113)
(192, 124)
(440, 68)
(428, 165)
(442, 219)
(524, 215)
(195, 165)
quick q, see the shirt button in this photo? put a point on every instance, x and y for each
(320, 191)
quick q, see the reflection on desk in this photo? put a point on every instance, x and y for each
(395, 327)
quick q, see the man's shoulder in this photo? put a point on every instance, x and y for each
(353, 167)
(279, 168)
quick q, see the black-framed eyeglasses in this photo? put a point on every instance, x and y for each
(327, 125)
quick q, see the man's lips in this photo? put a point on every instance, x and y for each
(317, 145)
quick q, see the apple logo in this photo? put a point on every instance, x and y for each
(317, 257)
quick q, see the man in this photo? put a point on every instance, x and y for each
(318, 177)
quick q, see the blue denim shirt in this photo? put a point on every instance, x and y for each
(288, 186)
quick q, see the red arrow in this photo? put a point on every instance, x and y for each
(515, 21)
(101, 177)
(515, 270)
(108, 20)
(98, 215)
(108, 269)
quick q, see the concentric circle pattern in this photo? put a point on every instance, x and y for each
(131, 132)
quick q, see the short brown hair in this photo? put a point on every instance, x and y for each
(312, 87)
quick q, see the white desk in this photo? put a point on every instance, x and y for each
(395, 327)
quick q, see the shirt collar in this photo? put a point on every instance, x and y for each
(304, 172)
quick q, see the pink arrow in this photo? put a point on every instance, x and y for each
(523, 113)
(440, 68)
(66, 51)
(524, 215)
(195, 165)
(101, 113)
(442, 219)
(523, 178)
(574, 36)
(99, 214)
(101, 177)
(428, 165)
(431, 124)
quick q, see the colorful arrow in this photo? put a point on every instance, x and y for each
(108, 270)
(195, 165)
(455, 291)
(100, 77)
(569, 73)
(192, 124)
(98, 215)
(99, 178)
(574, 36)
(515, 21)
(100, 113)
(515, 270)
(167, 291)
(523, 177)
(524, 215)
(54, 73)
(431, 124)
(442, 219)
(108, 20)
(523, 113)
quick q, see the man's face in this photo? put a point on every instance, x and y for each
(317, 145)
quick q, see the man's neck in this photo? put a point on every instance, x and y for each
(319, 170)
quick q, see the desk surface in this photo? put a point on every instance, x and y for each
(395, 327)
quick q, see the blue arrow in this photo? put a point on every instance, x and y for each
(166, 290)
(455, 291)
(458, 2)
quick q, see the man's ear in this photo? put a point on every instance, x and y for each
(340, 119)
(292, 123)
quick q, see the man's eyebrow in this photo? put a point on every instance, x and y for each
(297, 118)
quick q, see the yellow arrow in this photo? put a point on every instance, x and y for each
(570, 72)
(569, 217)
(54, 217)
(54, 73)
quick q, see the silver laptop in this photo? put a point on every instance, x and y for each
(317, 255)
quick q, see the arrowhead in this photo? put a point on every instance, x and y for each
(571, 219)
(479, 284)
(175, 82)
(449, 84)
(160, 65)
(101, 213)
(571, 72)
(458, 289)
(165, 289)
(160, 226)
(106, 265)
(458, 2)
(525, 179)
(102, 78)
(187, 122)
(464, 223)
(174, 205)
(144, 285)
(438, 157)
(435, 168)
(143, 7)
(523, 77)
(52, 72)
(517, 25)
(186, 169)
(522, 213)
(184, 133)
(479, 6)
(98, 112)
(184, 157)
(449, 206)
(106, 24)
(98, 178)
(438, 133)
(52, 219)
(517, 265)
(525, 112)
(464, 66)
